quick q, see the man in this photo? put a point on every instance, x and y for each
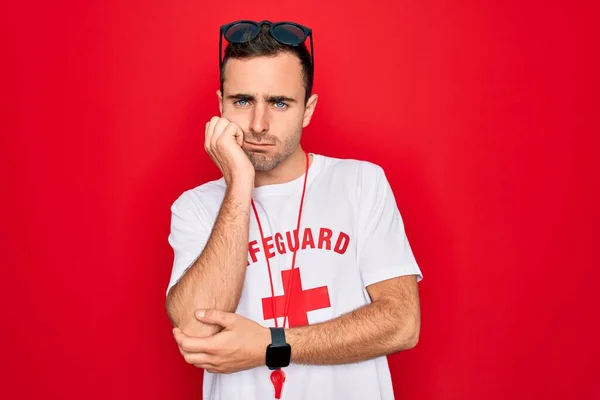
(292, 277)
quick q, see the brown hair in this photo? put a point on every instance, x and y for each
(265, 45)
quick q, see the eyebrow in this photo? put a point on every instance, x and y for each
(271, 98)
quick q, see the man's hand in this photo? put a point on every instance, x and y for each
(223, 142)
(241, 345)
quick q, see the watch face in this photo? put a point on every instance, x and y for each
(279, 356)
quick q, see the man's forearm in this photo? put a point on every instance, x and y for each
(382, 327)
(216, 278)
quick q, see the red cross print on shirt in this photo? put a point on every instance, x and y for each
(301, 303)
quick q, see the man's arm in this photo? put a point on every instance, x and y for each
(216, 278)
(389, 324)
(392, 321)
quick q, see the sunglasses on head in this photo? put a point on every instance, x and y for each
(288, 33)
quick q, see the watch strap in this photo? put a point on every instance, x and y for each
(277, 336)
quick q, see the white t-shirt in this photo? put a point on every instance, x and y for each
(351, 235)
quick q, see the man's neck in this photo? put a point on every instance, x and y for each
(289, 169)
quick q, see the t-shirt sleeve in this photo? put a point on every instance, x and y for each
(189, 232)
(384, 251)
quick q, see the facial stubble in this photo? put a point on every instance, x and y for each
(263, 161)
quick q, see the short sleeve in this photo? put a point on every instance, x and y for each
(384, 251)
(188, 235)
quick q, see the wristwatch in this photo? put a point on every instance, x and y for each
(279, 353)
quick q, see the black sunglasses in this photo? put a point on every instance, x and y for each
(288, 33)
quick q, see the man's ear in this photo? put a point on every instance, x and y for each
(220, 96)
(310, 109)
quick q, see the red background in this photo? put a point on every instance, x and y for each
(484, 115)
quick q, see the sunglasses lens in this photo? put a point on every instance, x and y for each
(289, 34)
(242, 32)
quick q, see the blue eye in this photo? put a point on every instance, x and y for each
(280, 104)
(242, 103)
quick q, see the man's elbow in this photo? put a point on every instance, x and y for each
(185, 320)
(187, 324)
(408, 335)
(173, 311)
(170, 311)
(413, 339)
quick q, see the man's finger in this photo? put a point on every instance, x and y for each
(213, 369)
(216, 317)
(210, 128)
(208, 132)
(230, 131)
(239, 136)
(218, 130)
(195, 345)
(200, 359)
(188, 344)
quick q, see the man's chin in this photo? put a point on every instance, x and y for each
(262, 166)
(262, 162)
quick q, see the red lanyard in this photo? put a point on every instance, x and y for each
(290, 283)
(278, 376)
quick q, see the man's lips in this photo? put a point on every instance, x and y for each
(259, 144)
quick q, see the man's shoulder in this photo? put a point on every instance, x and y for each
(359, 168)
(202, 196)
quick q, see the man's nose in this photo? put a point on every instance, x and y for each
(260, 119)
